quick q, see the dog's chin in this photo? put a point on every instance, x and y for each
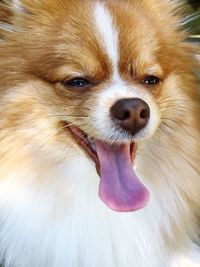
(120, 189)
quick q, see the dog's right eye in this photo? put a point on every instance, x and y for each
(77, 83)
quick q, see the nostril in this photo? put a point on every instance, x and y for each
(122, 115)
(121, 111)
(126, 115)
(144, 114)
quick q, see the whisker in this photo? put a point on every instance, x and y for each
(67, 116)
(50, 103)
(174, 121)
(59, 130)
(176, 108)
(165, 126)
(169, 100)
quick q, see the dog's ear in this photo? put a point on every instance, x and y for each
(11, 11)
(12, 6)
(5, 12)
(6, 15)
(8, 8)
(16, 4)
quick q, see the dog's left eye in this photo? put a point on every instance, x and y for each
(151, 80)
(77, 82)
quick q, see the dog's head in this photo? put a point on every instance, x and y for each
(98, 76)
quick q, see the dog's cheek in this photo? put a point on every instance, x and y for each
(173, 101)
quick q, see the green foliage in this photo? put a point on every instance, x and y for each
(193, 22)
(193, 18)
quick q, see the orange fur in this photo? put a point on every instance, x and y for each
(50, 41)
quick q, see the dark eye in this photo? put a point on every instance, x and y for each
(151, 80)
(77, 82)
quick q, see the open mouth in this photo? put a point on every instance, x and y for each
(120, 189)
(87, 144)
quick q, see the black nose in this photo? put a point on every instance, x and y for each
(132, 114)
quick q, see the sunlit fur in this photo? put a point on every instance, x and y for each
(50, 212)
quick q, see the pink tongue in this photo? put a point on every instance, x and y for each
(120, 189)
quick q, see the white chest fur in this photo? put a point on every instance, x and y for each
(58, 220)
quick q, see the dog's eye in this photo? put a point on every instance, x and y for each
(77, 82)
(151, 80)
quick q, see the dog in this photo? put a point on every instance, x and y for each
(99, 138)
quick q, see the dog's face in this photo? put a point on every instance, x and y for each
(98, 76)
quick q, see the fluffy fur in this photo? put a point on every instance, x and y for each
(50, 212)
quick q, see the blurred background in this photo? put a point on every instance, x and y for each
(192, 22)
(192, 19)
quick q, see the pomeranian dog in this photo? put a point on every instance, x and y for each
(100, 135)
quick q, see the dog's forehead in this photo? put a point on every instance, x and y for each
(97, 38)
(108, 38)
(123, 35)
(108, 34)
